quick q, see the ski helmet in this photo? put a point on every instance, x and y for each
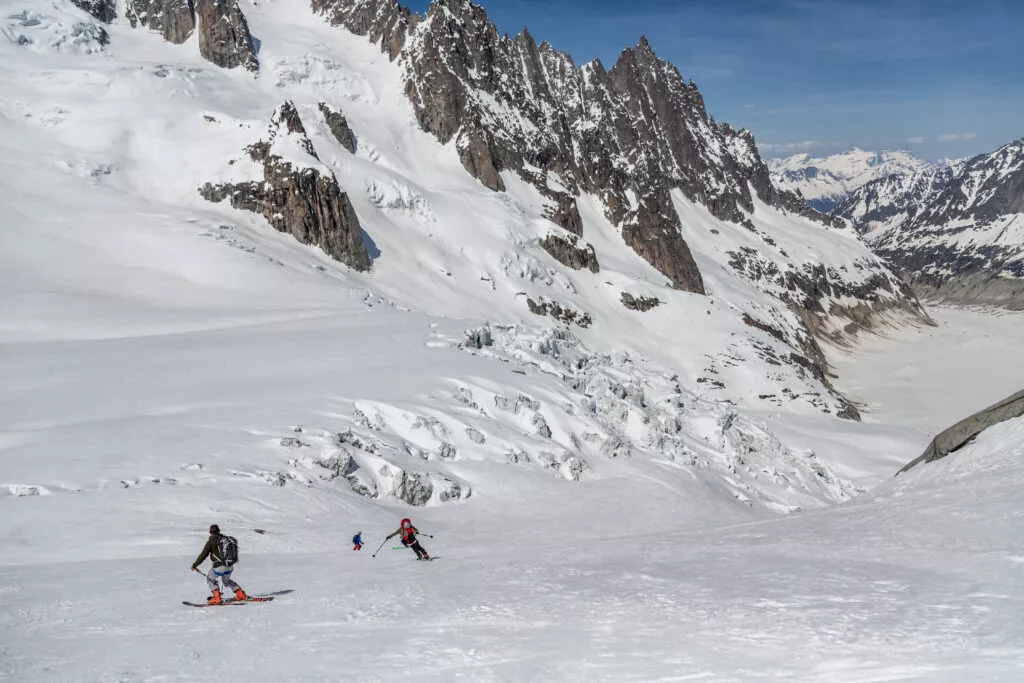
(214, 529)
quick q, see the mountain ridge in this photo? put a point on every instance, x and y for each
(956, 232)
(826, 181)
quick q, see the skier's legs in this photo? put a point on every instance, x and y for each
(211, 580)
(228, 582)
(418, 549)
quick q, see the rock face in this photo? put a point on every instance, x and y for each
(892, 200)
(103, 10)
(639, 303)
(175, 19)
(569, 252)
(635, 137)
(305, 202)
(956, 234)
(338, 124)
(559, 312)
(962, 432)
(224, 37)
(629, 135)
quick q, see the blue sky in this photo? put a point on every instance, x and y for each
(942, 78)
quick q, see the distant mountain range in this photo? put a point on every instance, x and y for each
(956, 232)
(825, 181)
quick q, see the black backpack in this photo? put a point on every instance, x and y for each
(227, 547)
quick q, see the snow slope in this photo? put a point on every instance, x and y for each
(826, 181)
(920, 581)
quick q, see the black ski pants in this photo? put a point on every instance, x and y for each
(414, 543)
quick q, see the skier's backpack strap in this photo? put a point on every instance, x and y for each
(228, 546)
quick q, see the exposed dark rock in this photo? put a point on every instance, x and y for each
(475, 155)
(384, 22)
(103, 10)
(174, 19)
(340, 129)
(559, 312)
(963, 432)
(567, 251)
(764, 327)
(566, 214)
(655, 237)
(304, 202)
(224, 37)
(640, 303)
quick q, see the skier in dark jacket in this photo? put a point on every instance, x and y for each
(357, 541)
(220, 570)
(408, 532)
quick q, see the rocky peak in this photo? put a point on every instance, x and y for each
(629, 136)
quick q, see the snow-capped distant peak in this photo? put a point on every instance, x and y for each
(825, 181)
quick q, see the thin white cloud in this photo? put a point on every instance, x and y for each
(957, 137)
(915, 141)
(749, 105)
(789, 147)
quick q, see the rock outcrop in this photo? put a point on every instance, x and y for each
(339, 127)
(174, 19)
(569, 252)
(640, 303)
(964, 431)
(563, 314)
(224, 37)
(102, 10)
(305, 202)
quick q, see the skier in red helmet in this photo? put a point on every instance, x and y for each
(408, 533)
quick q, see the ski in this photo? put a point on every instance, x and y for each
(230, 601)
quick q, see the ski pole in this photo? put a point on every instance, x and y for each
(378, 549)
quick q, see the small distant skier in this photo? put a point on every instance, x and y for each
(223, 552)
(408, 532)
(357, 541)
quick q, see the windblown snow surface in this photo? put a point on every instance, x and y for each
(596, 513)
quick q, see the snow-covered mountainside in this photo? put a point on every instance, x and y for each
(174, 188)
(956, 233)
(826, 181)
